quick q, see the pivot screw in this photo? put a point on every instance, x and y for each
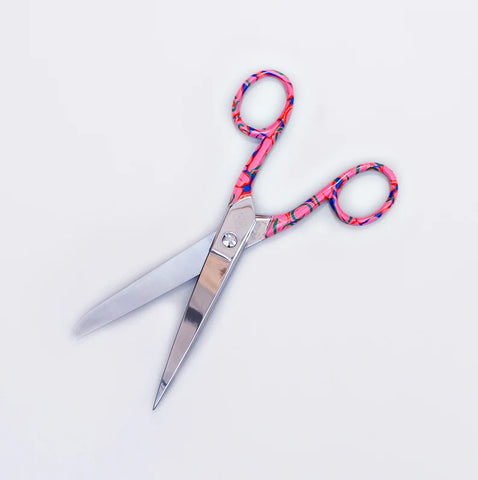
(229, 240)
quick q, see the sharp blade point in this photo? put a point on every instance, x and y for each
(159, 395)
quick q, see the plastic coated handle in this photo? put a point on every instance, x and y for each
(268, 135)
(331, 193)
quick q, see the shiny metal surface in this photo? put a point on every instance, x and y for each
(184, 266)
(174, 272)
(239, 220)
(202, 300)
(260, 229)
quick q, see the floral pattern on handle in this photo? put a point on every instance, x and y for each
(268, 136)
(331, 193)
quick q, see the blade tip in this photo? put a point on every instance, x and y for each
(78, 331)
(81, 328)
(162, 388)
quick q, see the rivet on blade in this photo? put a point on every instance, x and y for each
(229, 240)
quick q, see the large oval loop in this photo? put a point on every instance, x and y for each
(331, 193)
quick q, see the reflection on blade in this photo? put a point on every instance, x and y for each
(235, 232)
(179, 269)
(176, 271)
(203, 297)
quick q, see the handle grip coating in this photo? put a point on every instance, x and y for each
(268, 136)
(331, 193)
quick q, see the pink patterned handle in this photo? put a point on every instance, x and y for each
(268, 135)
(331, 193)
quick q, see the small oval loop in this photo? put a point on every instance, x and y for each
(267, 136)
(275, 128)
(339, 182)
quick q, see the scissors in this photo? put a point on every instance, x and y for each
(214, 257)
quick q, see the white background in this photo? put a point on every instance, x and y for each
(335, 352)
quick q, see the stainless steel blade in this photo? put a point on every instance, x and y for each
(176, 271)
(226, 248)
(202, 299)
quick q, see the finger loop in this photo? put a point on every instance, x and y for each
(273, 130)
(339, 182)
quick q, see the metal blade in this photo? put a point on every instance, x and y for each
(176, 271)
(226, 248)
(202, 299)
